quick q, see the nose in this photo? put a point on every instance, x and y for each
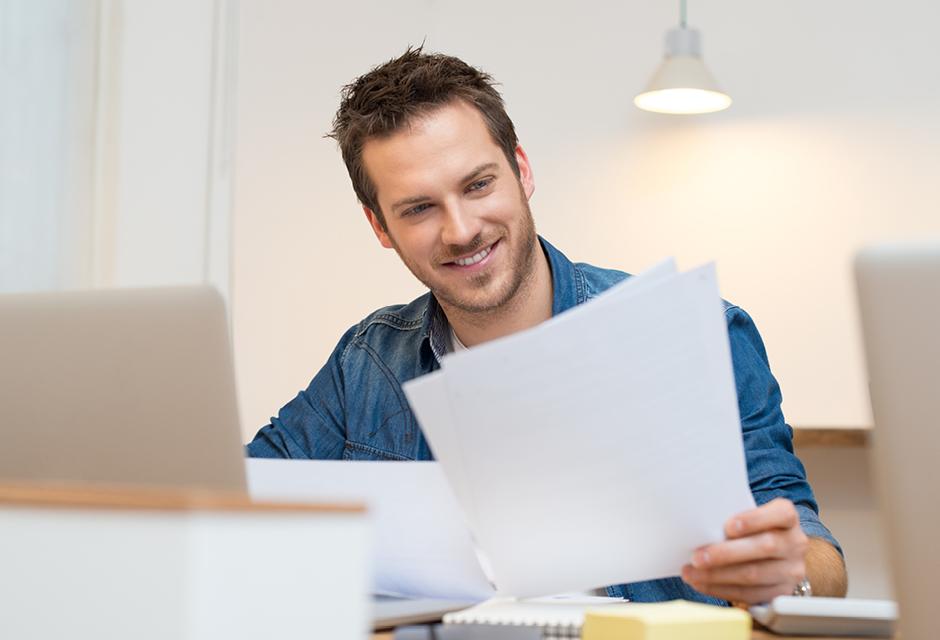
(460, 226)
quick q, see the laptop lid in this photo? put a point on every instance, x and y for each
(132, 386)
(899, 300)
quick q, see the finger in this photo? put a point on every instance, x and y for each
(768, 545)
(750, 595)
(779, 513)
(766, 573)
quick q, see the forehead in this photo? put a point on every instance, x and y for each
(431, 152)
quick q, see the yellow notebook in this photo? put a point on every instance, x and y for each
(675, 620)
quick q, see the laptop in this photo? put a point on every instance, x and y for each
(899, 300)
(125, 387)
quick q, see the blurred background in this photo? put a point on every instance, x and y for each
(151, 143)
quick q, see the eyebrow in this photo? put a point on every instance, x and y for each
(467, 178)
(411, 200)
(480, 169)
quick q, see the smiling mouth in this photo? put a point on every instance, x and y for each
(476, 258)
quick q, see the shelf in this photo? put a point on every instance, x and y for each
(831, 436)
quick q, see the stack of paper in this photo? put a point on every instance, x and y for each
(600, 447)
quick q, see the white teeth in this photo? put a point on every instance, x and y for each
(466, 262)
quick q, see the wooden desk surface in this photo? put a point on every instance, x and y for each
(755, 635)
(765, 635)
(129, 498)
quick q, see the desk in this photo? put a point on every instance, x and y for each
(755, 635)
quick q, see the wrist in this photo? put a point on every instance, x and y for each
(803, 589)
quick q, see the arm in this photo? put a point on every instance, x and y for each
(767, 550)
(825, 569)
(313, 424)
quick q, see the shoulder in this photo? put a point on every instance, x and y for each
(398, 317)
(596, 280)
(393, 326)
(737, 318)
(744, 337)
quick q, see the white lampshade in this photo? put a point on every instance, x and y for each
(682, 84)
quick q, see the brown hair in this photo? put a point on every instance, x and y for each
(391, 95)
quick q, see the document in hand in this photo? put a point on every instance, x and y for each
(600, 447)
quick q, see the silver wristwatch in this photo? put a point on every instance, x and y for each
(803, 589)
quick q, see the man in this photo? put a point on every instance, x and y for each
(434, 160)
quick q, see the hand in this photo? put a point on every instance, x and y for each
(762, 557)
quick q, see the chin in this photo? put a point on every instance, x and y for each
(489, 302)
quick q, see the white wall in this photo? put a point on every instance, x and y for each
(47, 99)
(832, 142)
(165, 100)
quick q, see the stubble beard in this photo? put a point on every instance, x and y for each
(521, 273)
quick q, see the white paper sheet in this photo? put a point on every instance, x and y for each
(430, 402)
(428, 398)
(600, 447)
(422, 545)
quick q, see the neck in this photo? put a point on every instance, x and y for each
(531, 305)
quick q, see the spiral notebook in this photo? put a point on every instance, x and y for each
(559, 617)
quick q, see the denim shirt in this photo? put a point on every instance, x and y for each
(354, 408)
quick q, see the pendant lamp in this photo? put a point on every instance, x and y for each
(682, 84)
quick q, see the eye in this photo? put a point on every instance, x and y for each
(479, 185)
(415, 209)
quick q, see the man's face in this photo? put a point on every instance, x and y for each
(455, 211)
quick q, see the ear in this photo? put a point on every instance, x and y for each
(380, 233)
(525, 172)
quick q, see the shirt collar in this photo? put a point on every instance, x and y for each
(436, 328)
(567, 292)
(567, 280)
